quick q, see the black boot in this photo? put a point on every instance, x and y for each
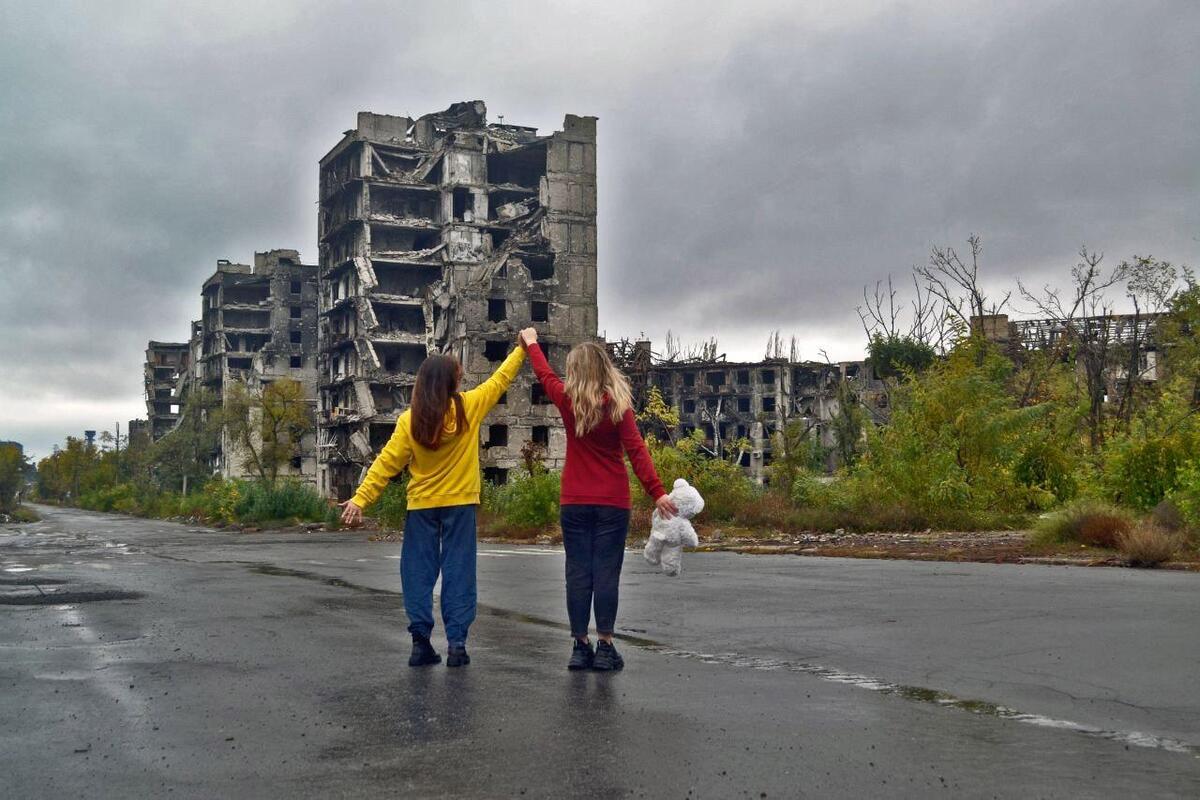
(457, 656)
(607, 658)
(423, 653)
(582, 655)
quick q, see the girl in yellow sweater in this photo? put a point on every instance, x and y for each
(437, 439)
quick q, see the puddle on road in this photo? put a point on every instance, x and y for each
(30, 581)
(68, 597)
(916, 694)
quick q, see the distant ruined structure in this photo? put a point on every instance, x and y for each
(754, 400)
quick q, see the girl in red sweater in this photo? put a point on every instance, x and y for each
(597, 412)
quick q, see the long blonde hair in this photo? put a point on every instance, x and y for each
(595, 386)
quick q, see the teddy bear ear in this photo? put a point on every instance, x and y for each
(680, 482)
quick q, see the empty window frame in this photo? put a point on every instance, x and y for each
(495, 350)
(296, 362)
(539, 311)
(497, 436)
(541, 435)
(497, 309)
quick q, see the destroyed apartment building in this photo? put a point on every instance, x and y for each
(1126, 342)
(167, 368)
(728, 401)
(258, 324)
(447, 234)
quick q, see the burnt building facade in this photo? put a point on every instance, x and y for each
(167, 369)
(258, 324)
(754, 401)
(447, 234)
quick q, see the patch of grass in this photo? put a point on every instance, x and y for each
(21, 514)
(392, 506)
(260, 502)
(1148, 545)
(526, 501)
(1088, 522)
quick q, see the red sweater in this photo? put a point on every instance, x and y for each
(595, 469)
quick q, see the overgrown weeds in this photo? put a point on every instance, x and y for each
(1148, 545)
(1088, 522)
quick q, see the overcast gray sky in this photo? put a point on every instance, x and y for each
(758, 163)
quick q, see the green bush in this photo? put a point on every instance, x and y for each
(1185, 496)
(392, 505)
(526, 500)
(286, 500)
(1085, 521)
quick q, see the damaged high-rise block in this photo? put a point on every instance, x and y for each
(258, 324)
(447, 234)
(166, 371)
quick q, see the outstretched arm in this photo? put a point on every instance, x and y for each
(541, 367)
(390, 462)
(643, 465)
(481, 399)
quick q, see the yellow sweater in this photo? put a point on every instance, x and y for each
(448, 476)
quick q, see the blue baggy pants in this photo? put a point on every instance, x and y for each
(439, 540)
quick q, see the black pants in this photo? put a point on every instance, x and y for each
(594, 538)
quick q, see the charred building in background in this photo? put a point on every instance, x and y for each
(447, 234)
(754, 400)
(167, 369)
(258, 324)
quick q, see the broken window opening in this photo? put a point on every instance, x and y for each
(689, 406)
(497, 309)
(715, 379)
(537, 395)
(743, 377)
(239, 363)
(540, 265)
(296, 287)
(768, 376)
(541, 435)
(539, 311)
(524, 166)
(399, 318)
(497, 476)
(295, 312)
(689, 379)
(463, 205)
(495, 350)
(296, 362)
(400, 358)
(743, 405)
(499, 237)
(386, 240)
(768, 404)
(297, 337)
(405, 280)
(497, 436)
(503, 399)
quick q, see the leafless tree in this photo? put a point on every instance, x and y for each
(956, 283)
(1084, 324)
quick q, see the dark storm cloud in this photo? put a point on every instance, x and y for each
(757, 164)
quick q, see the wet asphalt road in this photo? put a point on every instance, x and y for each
(180, 661)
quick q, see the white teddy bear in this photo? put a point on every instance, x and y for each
(668, 537)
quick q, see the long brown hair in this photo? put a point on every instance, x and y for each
(436, 388)
(595, 386)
